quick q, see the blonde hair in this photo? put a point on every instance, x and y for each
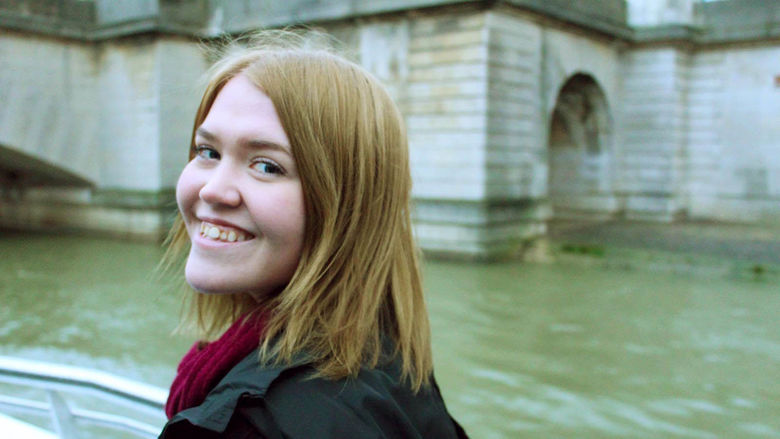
(358, 280)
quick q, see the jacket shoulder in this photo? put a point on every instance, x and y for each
(248, 377)
(372, 405)
(253, 401)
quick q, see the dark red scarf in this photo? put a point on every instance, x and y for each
(206, 364)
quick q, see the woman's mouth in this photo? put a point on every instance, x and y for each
(223, 233)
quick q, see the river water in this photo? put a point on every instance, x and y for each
(521, 350)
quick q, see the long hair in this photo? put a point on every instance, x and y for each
(358, 283)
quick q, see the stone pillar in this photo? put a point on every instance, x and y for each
(477, 135)
(470, 200)
(516, 203)
(181, 65)
(653, 133)
(148, 98)
(705, 175)
(446, 117)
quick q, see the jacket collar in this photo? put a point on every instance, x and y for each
(248, 378)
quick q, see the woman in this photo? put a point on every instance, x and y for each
(294, 220)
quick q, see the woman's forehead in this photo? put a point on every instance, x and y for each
(242, 111)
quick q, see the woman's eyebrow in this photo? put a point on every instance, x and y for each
(206, 134)
(266, 144)
(253, 144)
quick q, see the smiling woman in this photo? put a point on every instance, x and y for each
(241, 198)
(294, 222)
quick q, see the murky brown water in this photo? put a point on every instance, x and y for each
(533, 351)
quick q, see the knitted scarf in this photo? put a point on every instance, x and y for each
(206, 364)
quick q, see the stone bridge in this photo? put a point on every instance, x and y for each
(42, 143)
(519, 111)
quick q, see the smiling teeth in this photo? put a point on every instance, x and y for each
(218, 234)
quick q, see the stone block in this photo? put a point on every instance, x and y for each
(515, 75)
(651, 207)
(454, 72)
(71, 214)
(465, 38)
(444, 23)
(448, 56)
(435, 90)
(446, 122)
(443, 106)
(764, 211)
(480, 230)
(447, 189)
(447, 140)
(454, 157)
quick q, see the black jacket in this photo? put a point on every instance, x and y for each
(253, 401)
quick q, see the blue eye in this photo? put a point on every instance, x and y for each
(267, 167)
(206, 152)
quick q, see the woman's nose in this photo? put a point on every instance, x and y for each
(221, 188)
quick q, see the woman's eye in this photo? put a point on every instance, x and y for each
(206, 152)
(267, 167)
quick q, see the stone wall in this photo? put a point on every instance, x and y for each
(734, 156)
(743, 20)
(643, 13)
(684, 111)
(50, 102)
(116, 116)
(466, 81)
(482, 87)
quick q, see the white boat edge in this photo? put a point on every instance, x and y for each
(14, 428)
(84, 375)
(145, 402)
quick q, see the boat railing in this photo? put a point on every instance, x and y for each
(61, 383)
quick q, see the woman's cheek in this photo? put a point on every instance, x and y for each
(186, 189)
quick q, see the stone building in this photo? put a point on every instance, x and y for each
(519, 111)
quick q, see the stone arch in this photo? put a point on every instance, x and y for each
(19, 170)
(580, 151)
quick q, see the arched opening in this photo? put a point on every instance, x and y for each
(580, 151)
(19, 170)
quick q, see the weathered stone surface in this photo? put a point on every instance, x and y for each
(518, 111)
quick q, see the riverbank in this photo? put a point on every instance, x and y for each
(702, 248)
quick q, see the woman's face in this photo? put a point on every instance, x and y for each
(241, 197)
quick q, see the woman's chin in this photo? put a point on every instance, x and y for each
(206, 284)
(205, 275)
(213, 284)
